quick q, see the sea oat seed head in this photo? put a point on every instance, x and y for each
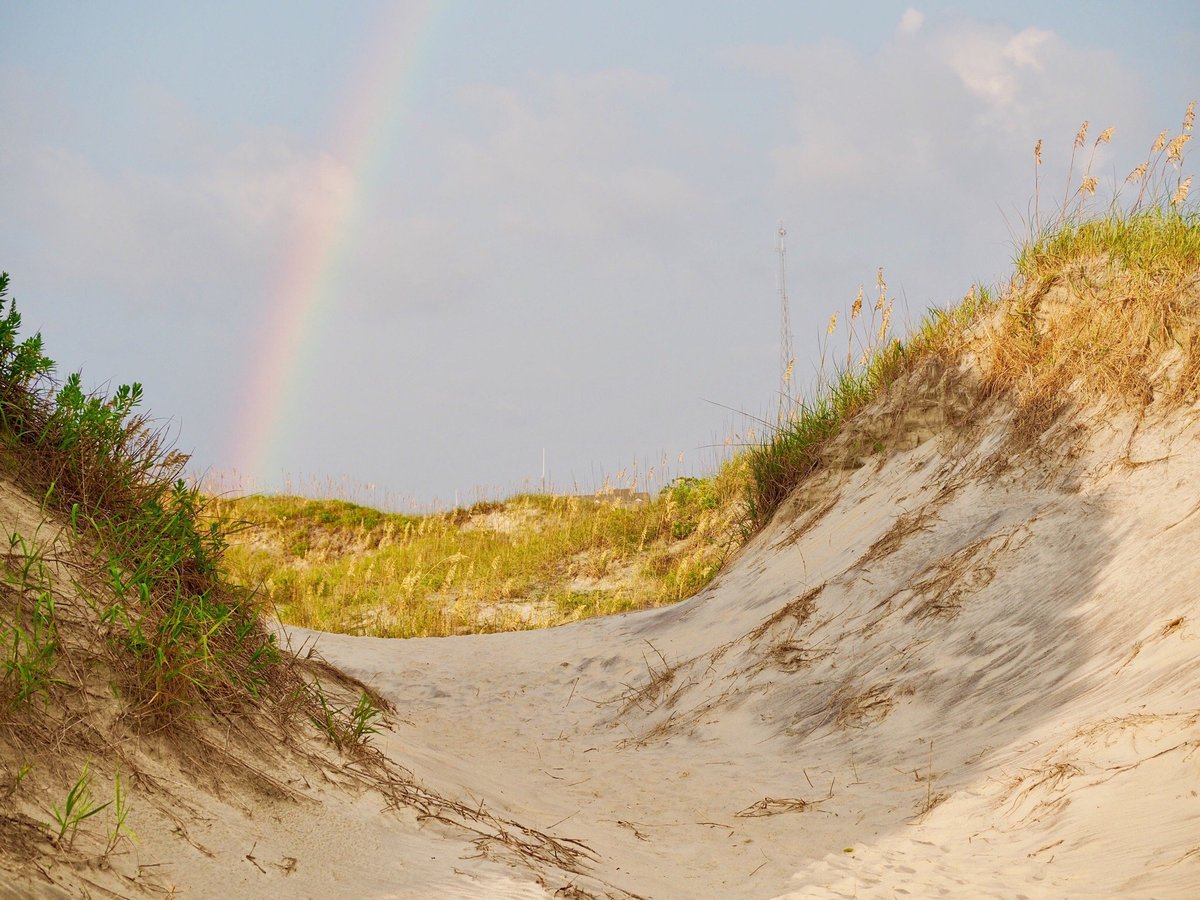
(886, 323)
(1159, 142)
(1081, 135)
(856, 309)
(1105, 135)
(787, 375)
(833, 323)
(1175, 148)
(1182, 192)
(1137, 174)
(1089, 185)
(1037, 153)
(1190, 116)
(882, 285)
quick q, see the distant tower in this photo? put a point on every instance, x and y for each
(786, 357)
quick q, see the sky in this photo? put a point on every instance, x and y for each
(419, 253)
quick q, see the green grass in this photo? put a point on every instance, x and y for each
(1159, 244)
(78, 806)
(530, 560)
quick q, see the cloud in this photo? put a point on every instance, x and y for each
(580, 173)
(143, 234)
(917, 156)
(571, 259)
(911, 21)
(1004, 71)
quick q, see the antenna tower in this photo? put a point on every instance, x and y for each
(786, 357)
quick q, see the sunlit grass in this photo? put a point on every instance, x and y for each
(530, 561)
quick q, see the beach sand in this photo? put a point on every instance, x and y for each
(944, 679)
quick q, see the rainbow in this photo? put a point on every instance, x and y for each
(306, 286)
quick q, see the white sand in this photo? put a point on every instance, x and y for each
(1027, 658)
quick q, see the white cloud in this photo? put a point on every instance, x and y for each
(918, 157)
(1000, 68)
(911, 21)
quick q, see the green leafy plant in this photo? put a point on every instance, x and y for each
(344, 726)
(14, 780)
(180, 631)
(78, 807)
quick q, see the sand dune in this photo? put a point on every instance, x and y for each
(955, 676)
(965, 665)
(964, 669)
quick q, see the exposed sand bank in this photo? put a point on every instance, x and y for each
(952, 681)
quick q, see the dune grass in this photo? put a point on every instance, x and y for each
(112, 588)
(174, 631)
(529, 561)
(1104, 304)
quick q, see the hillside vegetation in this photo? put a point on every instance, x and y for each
(529, 561)
(1101, 306)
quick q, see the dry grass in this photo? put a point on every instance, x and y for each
(773, 806)
(1104, 307)
(860, 710)
(792, 615)
(530, 561)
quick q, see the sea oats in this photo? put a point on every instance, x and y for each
(882, 285)
(1089, 185)
(856, 309)
(1137, 174)
(1105, 135)
(833, 323)
(1159, 142)
(1037, 153)
(1189, 117)
(1175, 148)
(1182, 191)
(1081, 135)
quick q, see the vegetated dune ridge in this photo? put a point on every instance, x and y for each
(970, 669)
(961, 659)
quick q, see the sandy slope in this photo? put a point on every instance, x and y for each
(958, 669)
(937, 676)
